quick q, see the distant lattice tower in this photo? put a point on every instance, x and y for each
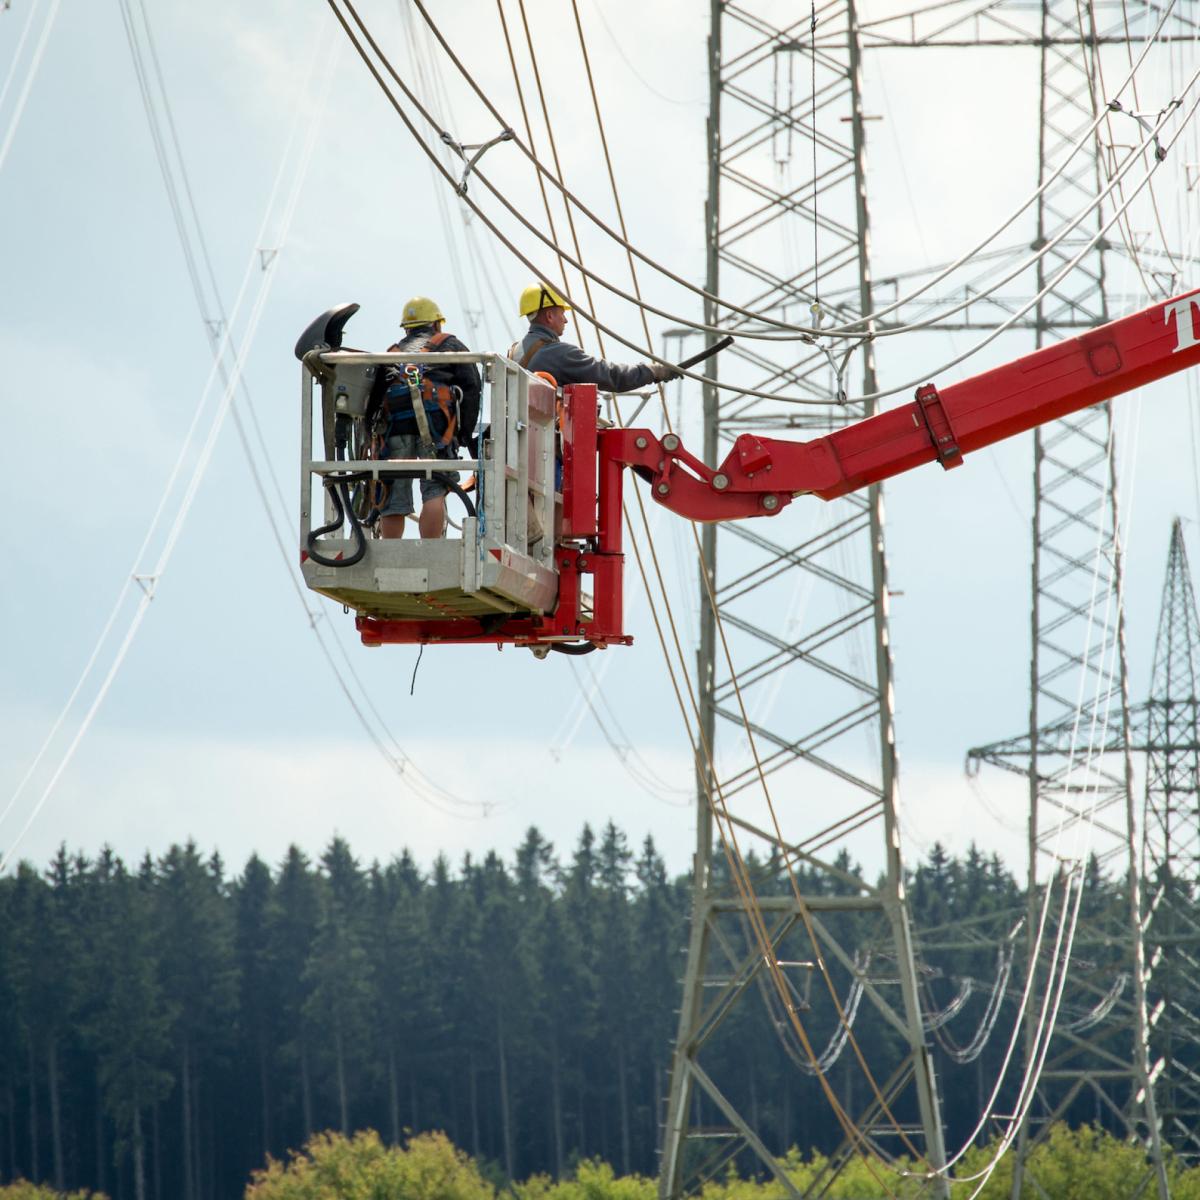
(1171, 856)
(1079, 800)
(1076, 753)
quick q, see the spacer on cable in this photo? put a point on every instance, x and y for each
(480, 148)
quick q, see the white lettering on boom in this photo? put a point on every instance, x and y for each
(1185, 327)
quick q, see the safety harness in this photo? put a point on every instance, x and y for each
(416, 395)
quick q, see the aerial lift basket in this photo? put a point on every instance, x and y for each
(514, 570)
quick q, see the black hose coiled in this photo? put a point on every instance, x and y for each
(575, 648)
(341, 507)
(344, 509)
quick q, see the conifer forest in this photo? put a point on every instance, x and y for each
(182, 1019)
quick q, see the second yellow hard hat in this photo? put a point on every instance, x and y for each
(541, 295)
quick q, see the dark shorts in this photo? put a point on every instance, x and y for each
(400, 496)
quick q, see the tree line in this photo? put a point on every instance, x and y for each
(166, 1027)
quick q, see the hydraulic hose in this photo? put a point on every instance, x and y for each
(468, 504)
(344, 510)
(341, 507)
(575, 648)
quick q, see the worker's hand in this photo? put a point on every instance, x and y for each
(664, 373)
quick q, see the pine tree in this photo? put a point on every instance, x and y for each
(397, 942)
(28, 905)
(129, 1025)
(660, 935)
(576, 995)
(539, 950)
(293, 919)
(63, 947)
(9, 1031)
(504, 986)
(449, 961)
(464, 987)
(338, 1008)
(45, 974)
(199, 976)
(258, 1001)
(615, 964)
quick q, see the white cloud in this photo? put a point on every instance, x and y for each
(939, 804)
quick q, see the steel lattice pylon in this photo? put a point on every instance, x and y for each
(1077, 752)
(1171, 856)
(831, 668)
(814, 690)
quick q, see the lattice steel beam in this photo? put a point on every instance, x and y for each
(1078, 678)
(816, 692)
(1171, 856)
(818, 670)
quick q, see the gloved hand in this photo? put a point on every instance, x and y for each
(664, 373)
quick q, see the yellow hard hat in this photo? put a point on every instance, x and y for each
(420, 310)
(541, 295)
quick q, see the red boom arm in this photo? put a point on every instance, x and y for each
(761, 475)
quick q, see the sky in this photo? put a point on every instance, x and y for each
(224, 722)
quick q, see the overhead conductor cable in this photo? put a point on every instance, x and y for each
(198, 471)
(540, 235)
(621, 238)
(728, 832)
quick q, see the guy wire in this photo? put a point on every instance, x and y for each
(736, 863)
(740, 864)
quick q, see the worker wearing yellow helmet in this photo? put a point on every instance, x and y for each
(542, 348)
(422, 319)
(419, 312)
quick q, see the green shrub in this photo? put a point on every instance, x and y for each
(858, 1180)
(1071, 1164)
(333, 1167)
(1080, 1164)
(591, 1180)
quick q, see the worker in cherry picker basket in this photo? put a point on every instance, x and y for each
(444, 419)
(542, 349)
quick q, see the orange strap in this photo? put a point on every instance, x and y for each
(527, 357)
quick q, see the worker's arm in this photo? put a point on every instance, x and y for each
(569, 364)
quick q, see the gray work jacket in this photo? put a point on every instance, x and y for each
(569, 364)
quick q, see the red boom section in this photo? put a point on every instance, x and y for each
(761, 475)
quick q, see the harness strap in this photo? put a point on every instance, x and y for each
(446, 398)
(421, 390)
(419, 415)
(529, 354)
(443, 393)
